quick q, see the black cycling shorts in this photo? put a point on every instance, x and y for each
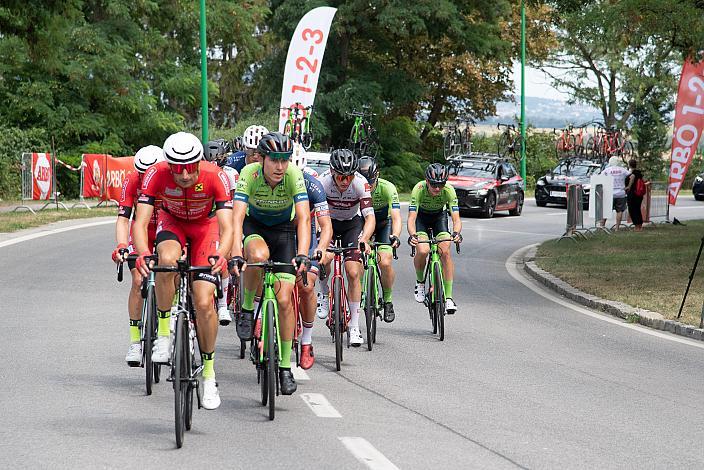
(348, 231)
(437, 222)
(281, 240)
(382, 231)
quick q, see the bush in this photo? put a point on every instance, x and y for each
(68, 181)
(13, 143)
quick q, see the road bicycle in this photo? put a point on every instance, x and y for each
(339, 311)
(457, 141)
(433, 280)
(510, 143)
(608, 142)
(566, 142)
(147, 324)
(363, 137)
(265, 352)
(297, 126)
(234, 302)
(186, 365)
(372, 302)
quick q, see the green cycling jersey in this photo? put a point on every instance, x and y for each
(270, 206)
(384, 196)
(423, 201)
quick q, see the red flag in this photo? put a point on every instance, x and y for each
(689, 122)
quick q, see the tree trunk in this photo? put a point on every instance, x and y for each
(435, 111)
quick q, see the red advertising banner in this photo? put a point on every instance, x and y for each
(93, 174)
(115, 172)
(689, 122)
(42, 176)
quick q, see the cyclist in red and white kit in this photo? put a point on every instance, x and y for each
(189, 190)
(131, 189)
(353, 220)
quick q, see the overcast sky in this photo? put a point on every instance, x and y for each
(537, 84)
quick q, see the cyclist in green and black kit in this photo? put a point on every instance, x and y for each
(430, 201)
(387, 211)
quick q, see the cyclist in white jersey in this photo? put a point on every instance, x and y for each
(353, 221)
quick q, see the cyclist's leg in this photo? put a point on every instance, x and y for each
(388, 275)
(308, 304)
(255, 251)
(448, 265)
(349, 232)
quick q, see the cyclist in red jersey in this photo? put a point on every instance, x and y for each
(189, 191)
(143, 159)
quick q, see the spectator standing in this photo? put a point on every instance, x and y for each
(635, 190)
(619, 174)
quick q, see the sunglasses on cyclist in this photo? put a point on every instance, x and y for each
(436, 185)
(177, 168)
(341, 178)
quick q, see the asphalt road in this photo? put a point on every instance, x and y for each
(520, 381)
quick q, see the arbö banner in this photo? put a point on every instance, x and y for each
(689, 123)
(304, 59)
(103, 175)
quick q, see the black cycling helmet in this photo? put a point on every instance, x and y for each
(436, 174)
(216, 150)
(368, 169)
(276, 145)
(237, 144)
(343, 162)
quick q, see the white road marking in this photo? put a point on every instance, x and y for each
(367, 453)
(320, 405)
(535, 287)
(299, 374)
(482, 229)
(32, 236)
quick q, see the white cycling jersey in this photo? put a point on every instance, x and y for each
(232, 175)
(354, 200)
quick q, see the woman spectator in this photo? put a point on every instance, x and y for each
(635, 190)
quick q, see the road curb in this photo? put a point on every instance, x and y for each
(618, 309)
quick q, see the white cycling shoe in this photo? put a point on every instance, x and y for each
(224, 315)
(134, 355)
(420, 292)
(321, 310)
(161, 350)
(211, 396)
(450, 306)
(356, 339)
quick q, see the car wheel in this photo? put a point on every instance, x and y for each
(489, 206)
(540, 203)
(519, 206)
(699, 197)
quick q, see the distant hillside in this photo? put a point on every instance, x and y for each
(543, 112)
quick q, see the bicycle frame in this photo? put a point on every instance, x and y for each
(337, 271)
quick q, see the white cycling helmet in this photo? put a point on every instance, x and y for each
(147, 156)
(251, 136)
(299, 156)
(183, 148)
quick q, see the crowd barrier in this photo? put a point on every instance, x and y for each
(38, 171)
(575, 213)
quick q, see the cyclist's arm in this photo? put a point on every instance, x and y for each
(453, 205)
(456, 222)
(141, 222)
(369, 226)
(366, 207)
(225, 221)
(413, 209)
(122, 230)
(325, 225)
(303, 229)
(125, 207)
(395, 208)
(411, 223)
(238, 212)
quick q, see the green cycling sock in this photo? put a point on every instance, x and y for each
(248, 301)
(419, 275)
(387, 294)
(208, 360)
(135, 334)
(285, 354)
(447, 287)
(164, 322)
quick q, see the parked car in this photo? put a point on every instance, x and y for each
(318, 161)
(698, 187)
(485, 184)
(552, 188)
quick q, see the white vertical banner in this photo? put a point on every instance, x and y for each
(304, 60)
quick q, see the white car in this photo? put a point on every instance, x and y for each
(318, 161)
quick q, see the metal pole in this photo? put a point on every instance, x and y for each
(53, 172)
(203, 74)
(523, 92)
(691, 276)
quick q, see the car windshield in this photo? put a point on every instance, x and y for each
(319, 166)
(475, 169)
(572, 169)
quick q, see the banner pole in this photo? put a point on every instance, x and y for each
(53, 172)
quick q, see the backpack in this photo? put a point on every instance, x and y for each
(639, 189)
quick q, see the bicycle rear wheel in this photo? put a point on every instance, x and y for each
(271, 358)
(337, 320)
(149, 312)
(190, 385)
(503, 145)
(179, 366)
(439, 300)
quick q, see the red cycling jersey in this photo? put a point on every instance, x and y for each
(131, 190)
(187, 204)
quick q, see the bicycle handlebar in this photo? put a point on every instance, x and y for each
(376, 244)
(269, 266)
(435, 241)
(182, 268)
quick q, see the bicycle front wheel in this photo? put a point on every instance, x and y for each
(179, 376)
(271, 358)
(148, 331)
(337, 320)
(439, 300)
(367, 301)
(503, 146)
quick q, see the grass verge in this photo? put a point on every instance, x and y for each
(13, 221)
(648, 270)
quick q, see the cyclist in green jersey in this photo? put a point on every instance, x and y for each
(430, 201)
(387, 211)
(268, 196)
